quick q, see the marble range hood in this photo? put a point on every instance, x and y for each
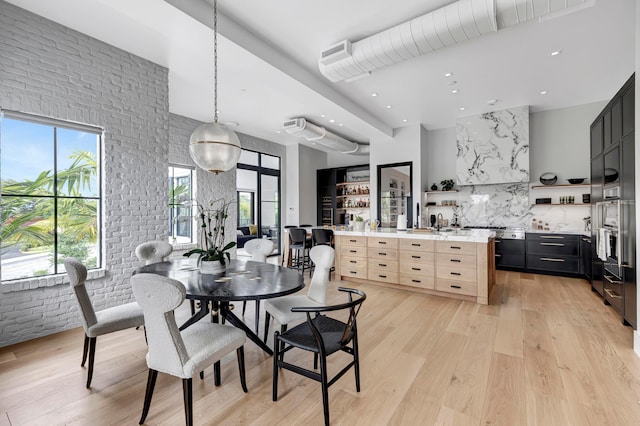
(493, 147)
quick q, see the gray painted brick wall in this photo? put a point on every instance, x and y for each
(50, 70)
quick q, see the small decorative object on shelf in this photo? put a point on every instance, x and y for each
(434, 187)
(548, 178)
(447, 184)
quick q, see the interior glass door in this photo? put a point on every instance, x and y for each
(270, 208)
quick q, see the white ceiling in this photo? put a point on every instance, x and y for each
(268, 53)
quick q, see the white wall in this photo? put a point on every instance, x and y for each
(559, 143)
(291, 214)
(309, 162)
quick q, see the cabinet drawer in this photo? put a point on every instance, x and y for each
(456, 273)
(391, 243)
(356, 270)
(382, 253)
(459, 287)
(348, 262)
(417, 257)
(417, 268)
(383, 265)
(417, 281)
(387, 277)
(552, 247)
(353, 251)
(353, 241)
(417, 245)
(553, 263)
(458, 260)
(456, 247)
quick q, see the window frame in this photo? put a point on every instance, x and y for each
(56, 124)
(192, 196)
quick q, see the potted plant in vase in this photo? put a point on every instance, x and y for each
(212, 253)
(358, 224)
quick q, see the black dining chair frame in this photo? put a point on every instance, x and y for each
(311, 336)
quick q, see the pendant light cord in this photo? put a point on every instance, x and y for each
(215, 61)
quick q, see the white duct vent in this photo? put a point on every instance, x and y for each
(447, 26)
(311, 132)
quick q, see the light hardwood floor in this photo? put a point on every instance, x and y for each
(546, 352)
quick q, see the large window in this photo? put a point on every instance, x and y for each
(258, 186)
(50, 195)
(181, 183)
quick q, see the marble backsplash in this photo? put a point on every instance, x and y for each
(509, 205)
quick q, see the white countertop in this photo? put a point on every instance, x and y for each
(561, 231)
(468, 235)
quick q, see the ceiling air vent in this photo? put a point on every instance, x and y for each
(336, 52)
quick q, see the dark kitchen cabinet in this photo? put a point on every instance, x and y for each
(596, 137)
(332, 206)
(616, 121)
(326, 187)
(510, 254)
(585, 257)
(553, 253)
(612, 166)
(597, 181)
(628, 109)
(606, 132)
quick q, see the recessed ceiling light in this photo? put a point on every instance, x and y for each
(388, 106)
(332, 121)
(461, 108)
(448, 74)
(374, 94)
(322, 115)
(544, 92)
(556, 52)
(277, 131)
(454, 91)
(404, 120)
(492, 101)
(340, 124)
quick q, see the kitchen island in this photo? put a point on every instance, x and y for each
(458, 264)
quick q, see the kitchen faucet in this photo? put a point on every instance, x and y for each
(439, 221)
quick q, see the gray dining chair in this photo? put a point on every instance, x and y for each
(97, 323)
(180, 353)
(280, 308)
(259, 249)
(153, 251)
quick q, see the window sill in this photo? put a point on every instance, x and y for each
(183, 246)
(48, 281)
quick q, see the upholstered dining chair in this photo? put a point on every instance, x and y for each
(180, 353)
(280, 307)
(323, 336)
(153, 251)
(259, 249)
(101, 322)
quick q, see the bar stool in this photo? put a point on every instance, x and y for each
(298, 243)
(322, 237)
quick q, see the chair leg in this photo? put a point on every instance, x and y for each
(267, 319)
(85, 350)
(257, 314)
(325, 388)
(92, 356)
(216, 373)
(283, 328)
(276, 355)
(243, 380)
(356, 361)
(192, 303)
(244, 307)
(315, 360)
(188, 400)
(151, 383)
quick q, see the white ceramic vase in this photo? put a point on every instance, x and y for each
(358, 226)
(212, 267)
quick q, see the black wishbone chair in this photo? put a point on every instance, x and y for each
(323, 336)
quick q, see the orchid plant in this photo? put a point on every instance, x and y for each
(212, 235)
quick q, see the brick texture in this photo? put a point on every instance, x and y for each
(50, 70)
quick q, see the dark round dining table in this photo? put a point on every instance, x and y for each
(242, 280)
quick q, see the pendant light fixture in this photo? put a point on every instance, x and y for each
(213, 146)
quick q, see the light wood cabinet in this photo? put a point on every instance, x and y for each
(464, 270)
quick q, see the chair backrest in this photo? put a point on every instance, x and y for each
(306, 226)
(77, 276)
(290, 226)
(158, 296)
(259, 249)
(153, 251)
(350, 326)
(321, 236)
(297, 235)
(322, 257)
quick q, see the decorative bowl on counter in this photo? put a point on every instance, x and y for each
(576, 181)
(548, 178)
